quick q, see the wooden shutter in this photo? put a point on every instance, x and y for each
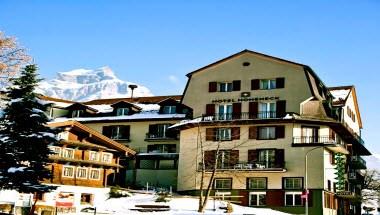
(252, 155)
(210, 134)
(275, 198)
(331, 134)
(280, 108)
(234, 157)
(212, 86)
(280, 158)
(244, 199)
(252, 133)
(236, 85)
(235, 132)
(107, 131)
(253, 110)
(209, 159)
(124, 130)
(255, 84)
(236, 110)
(153, 129)
(332, 158)
(310, 198)
(280, 82)
(280, 131)
(210, 109)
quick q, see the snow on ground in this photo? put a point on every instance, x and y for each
(178, 205)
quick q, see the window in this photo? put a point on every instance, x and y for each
(67, 153)
(225, 87)
(107, 157)
(77, 113)
(159, 131)
(86, 198)
(267, 158)
(119, 132)
(293, 183)
(267, 133)
(267, 84)
(56, 150)
(328, 185)
(94, 156)
(94, 174)
(257, 198)
(68, 171)
(293, 199)
(223, 134)
(257, 183)
(82, 172)
(225, 112)
(169, 109)
(224, 159)
(122, 111)
(309, 134)
(267, 110)
(162, 148)
(223, 183)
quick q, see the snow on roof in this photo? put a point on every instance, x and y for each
(138, 116)
(340, 94)
(101, 108)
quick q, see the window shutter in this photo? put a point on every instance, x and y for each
(153, 129)
(253, 110)
(107, 131)
(252, 133)
(275, 198)
(280, 108)
(252, 155)
(212, 86)
(236, 110)
(332, 158)
(210, 109)
(236, 85)
(331, 134)
(280, 131)
(244, 199)
(310, 198)
(280, 83)
(210, 134)
(255, 84)
(125, 131)
(235, 132)
(280, 158)
(209, 159)
(234, 157)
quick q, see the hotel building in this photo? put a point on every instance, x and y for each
(257, 119)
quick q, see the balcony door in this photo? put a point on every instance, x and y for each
(267, 158)
(309, 134)
(225, 112)
(267, 110)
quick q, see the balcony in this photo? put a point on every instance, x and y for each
(355, 177)
(245, 166)
(160, 137)
(302, 141)
(244, 116)
(357, 162)
(57, 158)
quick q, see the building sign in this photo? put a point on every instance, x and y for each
(245, 99)
(65, 199)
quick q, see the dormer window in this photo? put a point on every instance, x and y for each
(169, 109)
(122, 111)
(77, 113)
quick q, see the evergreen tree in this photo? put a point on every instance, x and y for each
(24, 136)
(340, 171)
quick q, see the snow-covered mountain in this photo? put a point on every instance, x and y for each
(86, 84)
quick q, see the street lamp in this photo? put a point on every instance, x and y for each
(306, 186)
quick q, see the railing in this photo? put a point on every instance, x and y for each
(232, 116)
(357, 137)
(245, 166)
(149, 136)
(355, 177)
(315, 140)
(146, 150)
(358, 162)
(76, 160)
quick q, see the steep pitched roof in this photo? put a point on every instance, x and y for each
(109, 142)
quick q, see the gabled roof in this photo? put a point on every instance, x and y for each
(341, 94)
(241, 53)
(94, 134)
(137, 108)
(80, 105)
(48, 98)
(169, 100)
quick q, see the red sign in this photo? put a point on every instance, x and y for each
(305, 194)
(65, 199)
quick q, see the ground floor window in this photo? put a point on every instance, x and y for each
(86, 198)
(257, 198)
(223, 183)
(257, 183)
(293, 199)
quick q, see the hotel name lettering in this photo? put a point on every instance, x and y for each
(245, 99)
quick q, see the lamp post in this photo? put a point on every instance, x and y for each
(306, 185)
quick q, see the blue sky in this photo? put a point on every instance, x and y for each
(155, 43)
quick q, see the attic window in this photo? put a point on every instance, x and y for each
(169, 109)
(246, 63)
(122, 111)
(77, 113)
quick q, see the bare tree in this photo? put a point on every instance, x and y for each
(371, 185)
(12, 58)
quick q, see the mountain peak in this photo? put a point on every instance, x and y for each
(87, 84)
